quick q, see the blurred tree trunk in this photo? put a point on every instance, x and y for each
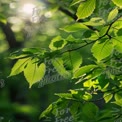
(10, 37)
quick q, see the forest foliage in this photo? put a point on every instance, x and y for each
(99, 95)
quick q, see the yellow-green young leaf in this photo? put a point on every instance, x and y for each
(87, 96)
(118, 99)
(57, 43)
(34, 73)
(74, 27)
(83, 70)
(102, 50)
(118, 2)
(112, 15)
(19, 66)
(118, 96)
(59, 66)
(85, 9)
(88, 83)
(107, 97)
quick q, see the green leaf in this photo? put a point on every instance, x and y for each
(57, 43)
(119, 32)
(76, 2)
(74, 27)
(88, 83)
(83, 70)
(64, 95)
(117, 43)
(72, 60)
(74, 108)
(19, 66)
(102, 50)
(33, 50)
(90, 111)
(103, 31)
(46, 112)
(118, 2)
(118, 97)
(27, 52)
(105, 115)
(95, 21)
(103, 81)
(34, 73)
(77, 94)
(18, 55)
(70, 39)
(87, 96)
(112, 15)
(85, 9)
(107, 96)
(59, 66)
(118, 102)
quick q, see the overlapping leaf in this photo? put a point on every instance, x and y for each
(102, 50)
(118, 2)
(34, 73)
(112, 14)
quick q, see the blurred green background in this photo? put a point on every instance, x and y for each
(27, 24)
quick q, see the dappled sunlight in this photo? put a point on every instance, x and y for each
(28, 8)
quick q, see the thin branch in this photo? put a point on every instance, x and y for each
(70, 14)
(107, 33)
(73, 16)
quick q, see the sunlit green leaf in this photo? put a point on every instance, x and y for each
(102, 50)
(107, 96)
(103, 31)
(74, 27)
(70, 39)
(119, 103)
(72, 60)
(83, 70)
(117, 2)
(34, 73)
(112, 14)
(85, 9)
(59, 66)
(87, 96)
(95, 21)
(19, 66)
(118, 97)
